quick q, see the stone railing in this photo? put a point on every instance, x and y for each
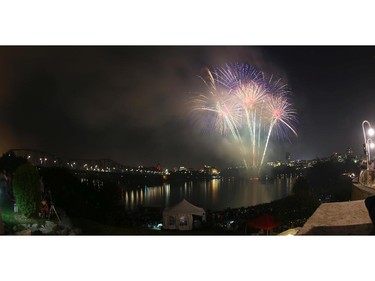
(367, 178)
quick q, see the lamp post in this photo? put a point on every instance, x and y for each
(369, 145)
(370, 132)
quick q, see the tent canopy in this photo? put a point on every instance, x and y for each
(185, 207)
(180, 216)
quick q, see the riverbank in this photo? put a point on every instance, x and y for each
(289, 212)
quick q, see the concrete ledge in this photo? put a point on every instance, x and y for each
(360, 191)
(341, 218)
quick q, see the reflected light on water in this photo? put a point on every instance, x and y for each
(214, 188)
(215, 194)
(167, 194)
(132, 199)
(126, 198)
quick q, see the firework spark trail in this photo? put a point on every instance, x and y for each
(250, 96)
(249, 106)
(266, 145)
(259, 129)
(226, 111)
(280, 111)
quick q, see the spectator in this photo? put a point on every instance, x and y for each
(44, 209)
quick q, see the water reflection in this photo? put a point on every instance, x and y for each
(214, 195)
(167, 193)
(215, 190)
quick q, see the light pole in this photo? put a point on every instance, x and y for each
(369, 145)
(370, 132)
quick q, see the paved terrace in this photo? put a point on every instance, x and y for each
(342, 218)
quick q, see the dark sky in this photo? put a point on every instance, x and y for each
(129, 103)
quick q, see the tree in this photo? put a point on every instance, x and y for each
(10, 162)
(27, 189)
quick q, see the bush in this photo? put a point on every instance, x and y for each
(10, 162)
(27, 189)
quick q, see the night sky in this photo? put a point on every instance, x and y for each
(129, 103)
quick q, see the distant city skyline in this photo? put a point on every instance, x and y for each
(129, 103)
(45, 158)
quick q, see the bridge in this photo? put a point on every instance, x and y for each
(83, 166)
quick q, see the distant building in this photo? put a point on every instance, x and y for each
(336, 157)
(182, 169)
(210, 170)
(349, 155)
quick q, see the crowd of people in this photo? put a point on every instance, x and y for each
(231, 220)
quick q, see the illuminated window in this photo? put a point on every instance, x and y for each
(183, 221)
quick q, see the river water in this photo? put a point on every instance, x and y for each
(214, 195)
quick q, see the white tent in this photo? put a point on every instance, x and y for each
(181, 216)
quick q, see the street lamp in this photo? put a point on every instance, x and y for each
(370, 132)
(369, 145)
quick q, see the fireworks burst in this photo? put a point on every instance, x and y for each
(242, 103)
